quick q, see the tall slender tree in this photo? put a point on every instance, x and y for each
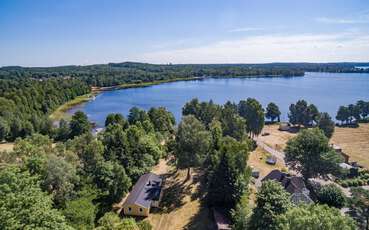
(193, 143)
(272, 112)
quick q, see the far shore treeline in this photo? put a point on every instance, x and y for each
(28, 95)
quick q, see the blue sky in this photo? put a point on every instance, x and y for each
(49, 33)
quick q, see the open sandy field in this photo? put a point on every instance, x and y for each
(6, 146)
(354, 142)
(277, 139)
(257, 160)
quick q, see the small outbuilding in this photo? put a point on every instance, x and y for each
(339, 151)
(255, 173)
(145, 194)
(272, 160)
(284, 126)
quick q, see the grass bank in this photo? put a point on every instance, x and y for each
(61, 111)
(142, 84)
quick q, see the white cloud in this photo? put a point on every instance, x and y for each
(271, 48)
(361, 18)
(245, 29)
(341, 21)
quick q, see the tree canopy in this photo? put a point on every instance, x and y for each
(315, 217)
(310, 154)
(23, 205)
(79, 124)
(193, 142)
(302, 113)
(272, 112)
(272, 200)
(230, 176)
(331, 195)
(326, 124)
(252, 111)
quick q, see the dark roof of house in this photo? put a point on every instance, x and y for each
(275, 175)
(295, 184)
(298, 198)
(146, 190)
(292, 184)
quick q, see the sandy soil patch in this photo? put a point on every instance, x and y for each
(353, 141)
(181, 206)
(276, 139)
(257, 160)
(6, 146)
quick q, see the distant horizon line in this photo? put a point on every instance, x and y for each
(137, 62)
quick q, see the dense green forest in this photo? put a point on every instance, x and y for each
(119, 73)
(26, 103)
(73, 182)
(29, 94)
(129, 72)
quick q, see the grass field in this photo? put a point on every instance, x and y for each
(354, 142)
(60, 113)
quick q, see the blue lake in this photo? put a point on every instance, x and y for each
(326, 90)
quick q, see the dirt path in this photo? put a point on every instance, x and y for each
(279, 154)
(162, 168)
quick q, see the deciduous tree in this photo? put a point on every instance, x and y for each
(79, 124)
(326, 124)
(253, 113)
(23, 205)
(272, 200)
(115, 118)
(310, 154)
(314, 217)
(162, 119)
(272, 112)
(193, 143)
(343, 114)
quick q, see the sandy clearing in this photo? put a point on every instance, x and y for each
(354, 142)
(6, 146)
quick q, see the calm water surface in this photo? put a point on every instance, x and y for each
(326, 90)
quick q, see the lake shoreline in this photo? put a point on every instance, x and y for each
(62, 111)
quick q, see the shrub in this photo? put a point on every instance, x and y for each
(353, 183)
(331, 195)
(144, 225)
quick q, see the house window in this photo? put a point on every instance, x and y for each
(141, 210)
(129, 209)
